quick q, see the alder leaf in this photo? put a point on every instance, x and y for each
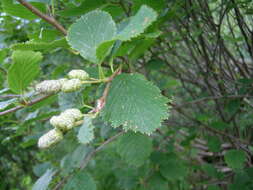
(137, 23)
(86, 131)
(24, 69)
(80, 180)
(91, 30)
(135, 103)
(134, 148)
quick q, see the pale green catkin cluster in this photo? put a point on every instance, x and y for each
(66, 120)
(62, 123)
(73, 83)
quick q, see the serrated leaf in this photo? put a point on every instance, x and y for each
(89, 32)
(134, 148)
(43, 182)
(86, 131)
(138, 23)
(46, 46)
(16, 9)
(80, 180)
(135, 103)
(24, 70)
(235, 159)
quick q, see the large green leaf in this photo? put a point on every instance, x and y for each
(89, 32)
(134, 148)
(138, 23)
(24, 70)
(86, 131)
(43, 182)
(16, 9)
(235, 159)
(80, 180)
(135, 103)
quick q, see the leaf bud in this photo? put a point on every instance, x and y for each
(50, 138)
(71, 85)
(78, 74)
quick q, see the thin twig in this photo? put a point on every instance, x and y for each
(213, 98)
(27, 104)
(86, 160)
(49, 19)
(205, 126)
(89, 157)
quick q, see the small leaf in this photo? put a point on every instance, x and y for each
(135, 103)
(46, 46)
(213, 143)
(235, 159)
(80, 180)
(86, 131)
(134, 148)
(138, 23)
(91, 30)
(103, 49)
(43, 182)
(24, 70)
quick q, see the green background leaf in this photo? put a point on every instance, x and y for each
(235, 159)
(19, 10)
(134, 148)
(24, 69)
(80, 180)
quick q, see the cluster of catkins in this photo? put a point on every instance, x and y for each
(66, 120)
(62, 123)
(73, 83)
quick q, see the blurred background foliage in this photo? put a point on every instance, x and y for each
(199, 53)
